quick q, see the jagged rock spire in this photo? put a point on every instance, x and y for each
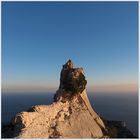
(68, 65)
(72, 79)
(72, 118)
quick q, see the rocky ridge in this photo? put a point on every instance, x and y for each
(69, 116)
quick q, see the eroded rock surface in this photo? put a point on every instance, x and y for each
(59, 120)
(69, 116)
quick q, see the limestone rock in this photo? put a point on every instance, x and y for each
(69, 116)
(72, 79)
(59, 120)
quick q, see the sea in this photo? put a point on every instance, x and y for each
(111, 106)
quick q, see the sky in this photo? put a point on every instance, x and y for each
(39, 37)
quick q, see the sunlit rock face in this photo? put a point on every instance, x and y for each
(69, 116)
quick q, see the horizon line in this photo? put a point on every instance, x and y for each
(121, 88)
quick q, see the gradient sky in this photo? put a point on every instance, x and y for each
(38, 37)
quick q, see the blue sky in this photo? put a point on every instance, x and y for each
(38, 37)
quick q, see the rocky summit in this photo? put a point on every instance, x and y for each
(69, 116)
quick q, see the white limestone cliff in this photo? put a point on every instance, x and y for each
(69, 116)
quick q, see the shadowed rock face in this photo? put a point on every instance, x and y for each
(72, 82)
(70, 116)
(72, 79)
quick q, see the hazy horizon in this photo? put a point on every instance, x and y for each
(104, 88)
(38, 38)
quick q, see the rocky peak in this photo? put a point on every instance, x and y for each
(69, 116)
(68, 65)
(72, 80)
